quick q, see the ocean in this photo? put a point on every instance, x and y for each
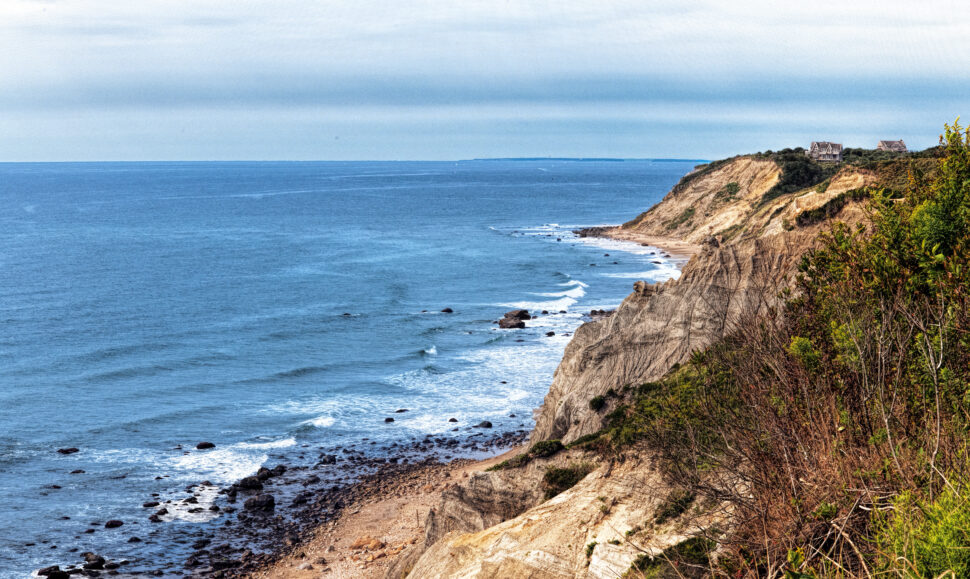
(271, 308)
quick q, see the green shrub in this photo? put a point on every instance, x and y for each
(546, 448)
(674, 506)
(557, 480)
(798, 171)
(689, 558)
(926, 538)
(596, 403)
(684, 217)
(542, 449)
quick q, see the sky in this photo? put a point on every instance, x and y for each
(85, 80)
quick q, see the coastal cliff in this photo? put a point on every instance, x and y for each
(747, 239)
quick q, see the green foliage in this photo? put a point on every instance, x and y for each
(541, 449)
(825, 511)
(596, 403)
(689, 558)
(798, 171)
(546, 448)
(685, 216)
(830, 208)
(674, 506)
(922, 538)
(589, 549)
(801, 349)
(729, 192)
(557, 480)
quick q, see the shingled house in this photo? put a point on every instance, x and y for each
(825, 151)
(894, 146)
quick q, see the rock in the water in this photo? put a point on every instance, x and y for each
(447, 311)
(511, 324)
(150, 504)
(250, 483)
(70, 450)
(113, 524)
(260, 503)
(204, 445)
(518, 315)
(388, 419)
(452, 420)
(77, 471)
(400, 410)
(484, 424)
(52, 571)
(550, 334)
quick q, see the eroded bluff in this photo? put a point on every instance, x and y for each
(496, 524)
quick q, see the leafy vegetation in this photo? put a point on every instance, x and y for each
(685, 216)
(541, 449)
(690, 558)
(557, 480)
(798, 171)
(674, 506)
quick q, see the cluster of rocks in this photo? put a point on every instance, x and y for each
(514, 319)
(92, 566)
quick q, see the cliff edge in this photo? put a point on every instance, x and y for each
(750, 226)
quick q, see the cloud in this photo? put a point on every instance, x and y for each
(457, 65)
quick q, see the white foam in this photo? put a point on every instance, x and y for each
(661, 273)
(560, 304)
(284, 443)
(432, 351)
(206, 497)
(230, 463)
(321, 421)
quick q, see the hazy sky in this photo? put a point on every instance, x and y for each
(429, 79)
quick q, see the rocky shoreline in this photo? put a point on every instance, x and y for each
(269, 514)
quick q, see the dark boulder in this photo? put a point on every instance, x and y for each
(388, 419)
(204, 445)
(511, 324)
(447, 311)
(70, 450)
(518, 315)
(113, 524)
(250, 483)
(484, 424)
(260, 503)
(452, 420)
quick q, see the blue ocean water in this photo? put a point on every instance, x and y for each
(146, 307)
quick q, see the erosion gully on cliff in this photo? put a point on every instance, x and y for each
(747, 226)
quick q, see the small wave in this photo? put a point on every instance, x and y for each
(131, 372)
(284, 443)
(432, 351)
(575, 292)
(321, 421)
(553, 305)
(230, 463)
(661, 273)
